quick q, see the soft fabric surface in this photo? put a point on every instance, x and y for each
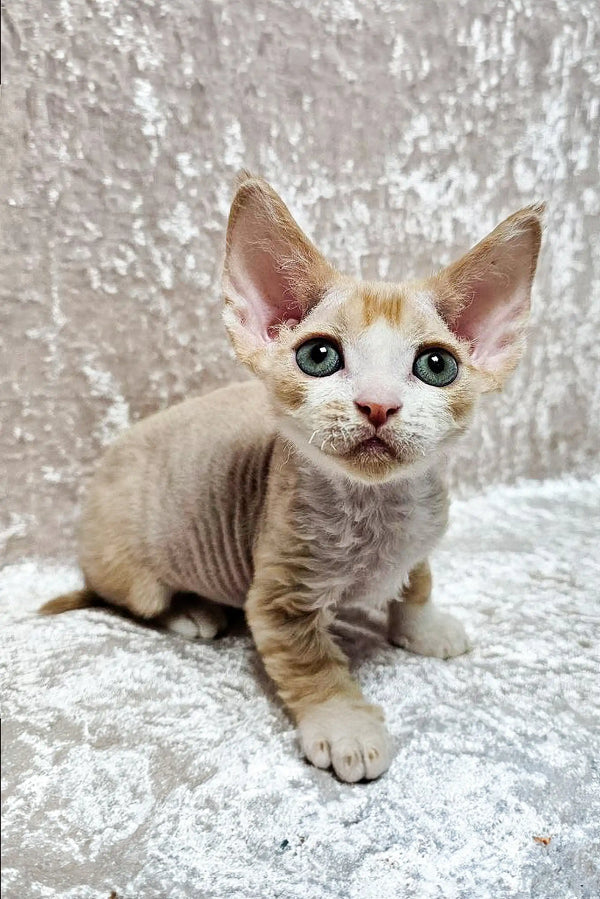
(139, 763)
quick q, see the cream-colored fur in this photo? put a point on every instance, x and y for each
(287, 495)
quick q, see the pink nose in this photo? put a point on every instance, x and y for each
(377, 413)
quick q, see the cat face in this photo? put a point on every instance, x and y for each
(400, 389)
(370, 379)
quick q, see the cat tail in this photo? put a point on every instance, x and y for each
(67, 602)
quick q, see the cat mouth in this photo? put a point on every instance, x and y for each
(372, 457)
(371, 447)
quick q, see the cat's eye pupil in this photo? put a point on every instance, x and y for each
(436, 363)
(319, 357)
(436, 367)
(318, 353)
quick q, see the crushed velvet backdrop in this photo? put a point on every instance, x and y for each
(399, 133)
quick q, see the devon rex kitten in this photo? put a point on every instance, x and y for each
(322, 481)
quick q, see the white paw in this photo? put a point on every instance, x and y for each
(349, 736)
(425, 630)
(197, 620)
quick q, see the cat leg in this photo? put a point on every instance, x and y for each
(133, 586)
(194, 618)
(128, 585)
(147, 597)
(417, 625)
(337, 726)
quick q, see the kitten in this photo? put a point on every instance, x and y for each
(321, 481)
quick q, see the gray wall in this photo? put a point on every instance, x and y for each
(398, 132)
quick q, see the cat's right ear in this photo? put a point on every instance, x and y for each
(272, 275)
(484, 297)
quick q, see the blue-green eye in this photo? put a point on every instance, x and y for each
(319, 357)
(436, 367)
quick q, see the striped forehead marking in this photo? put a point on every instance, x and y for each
(377, 302)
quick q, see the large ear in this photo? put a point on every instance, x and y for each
(485, 296)
(273, 275)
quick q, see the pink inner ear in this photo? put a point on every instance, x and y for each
(262, 294)
(491, 322)
(263, 281)
(273, 275)
(486, 294)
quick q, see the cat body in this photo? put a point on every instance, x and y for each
(321, 481)
(183, 492)
(187, 491)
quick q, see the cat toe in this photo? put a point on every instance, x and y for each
(317, 752)
(347, 760)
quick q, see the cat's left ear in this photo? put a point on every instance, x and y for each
(485, 296)
(272, 275)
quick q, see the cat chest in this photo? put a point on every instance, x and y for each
(368, 556)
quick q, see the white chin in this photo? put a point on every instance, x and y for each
(362, 469)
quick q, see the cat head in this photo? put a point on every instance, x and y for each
(372, 379)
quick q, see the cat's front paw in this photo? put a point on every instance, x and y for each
(427, 631)
(347, 735)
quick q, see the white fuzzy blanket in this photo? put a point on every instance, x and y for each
(138, 763)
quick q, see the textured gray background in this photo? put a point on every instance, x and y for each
(398, 132)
